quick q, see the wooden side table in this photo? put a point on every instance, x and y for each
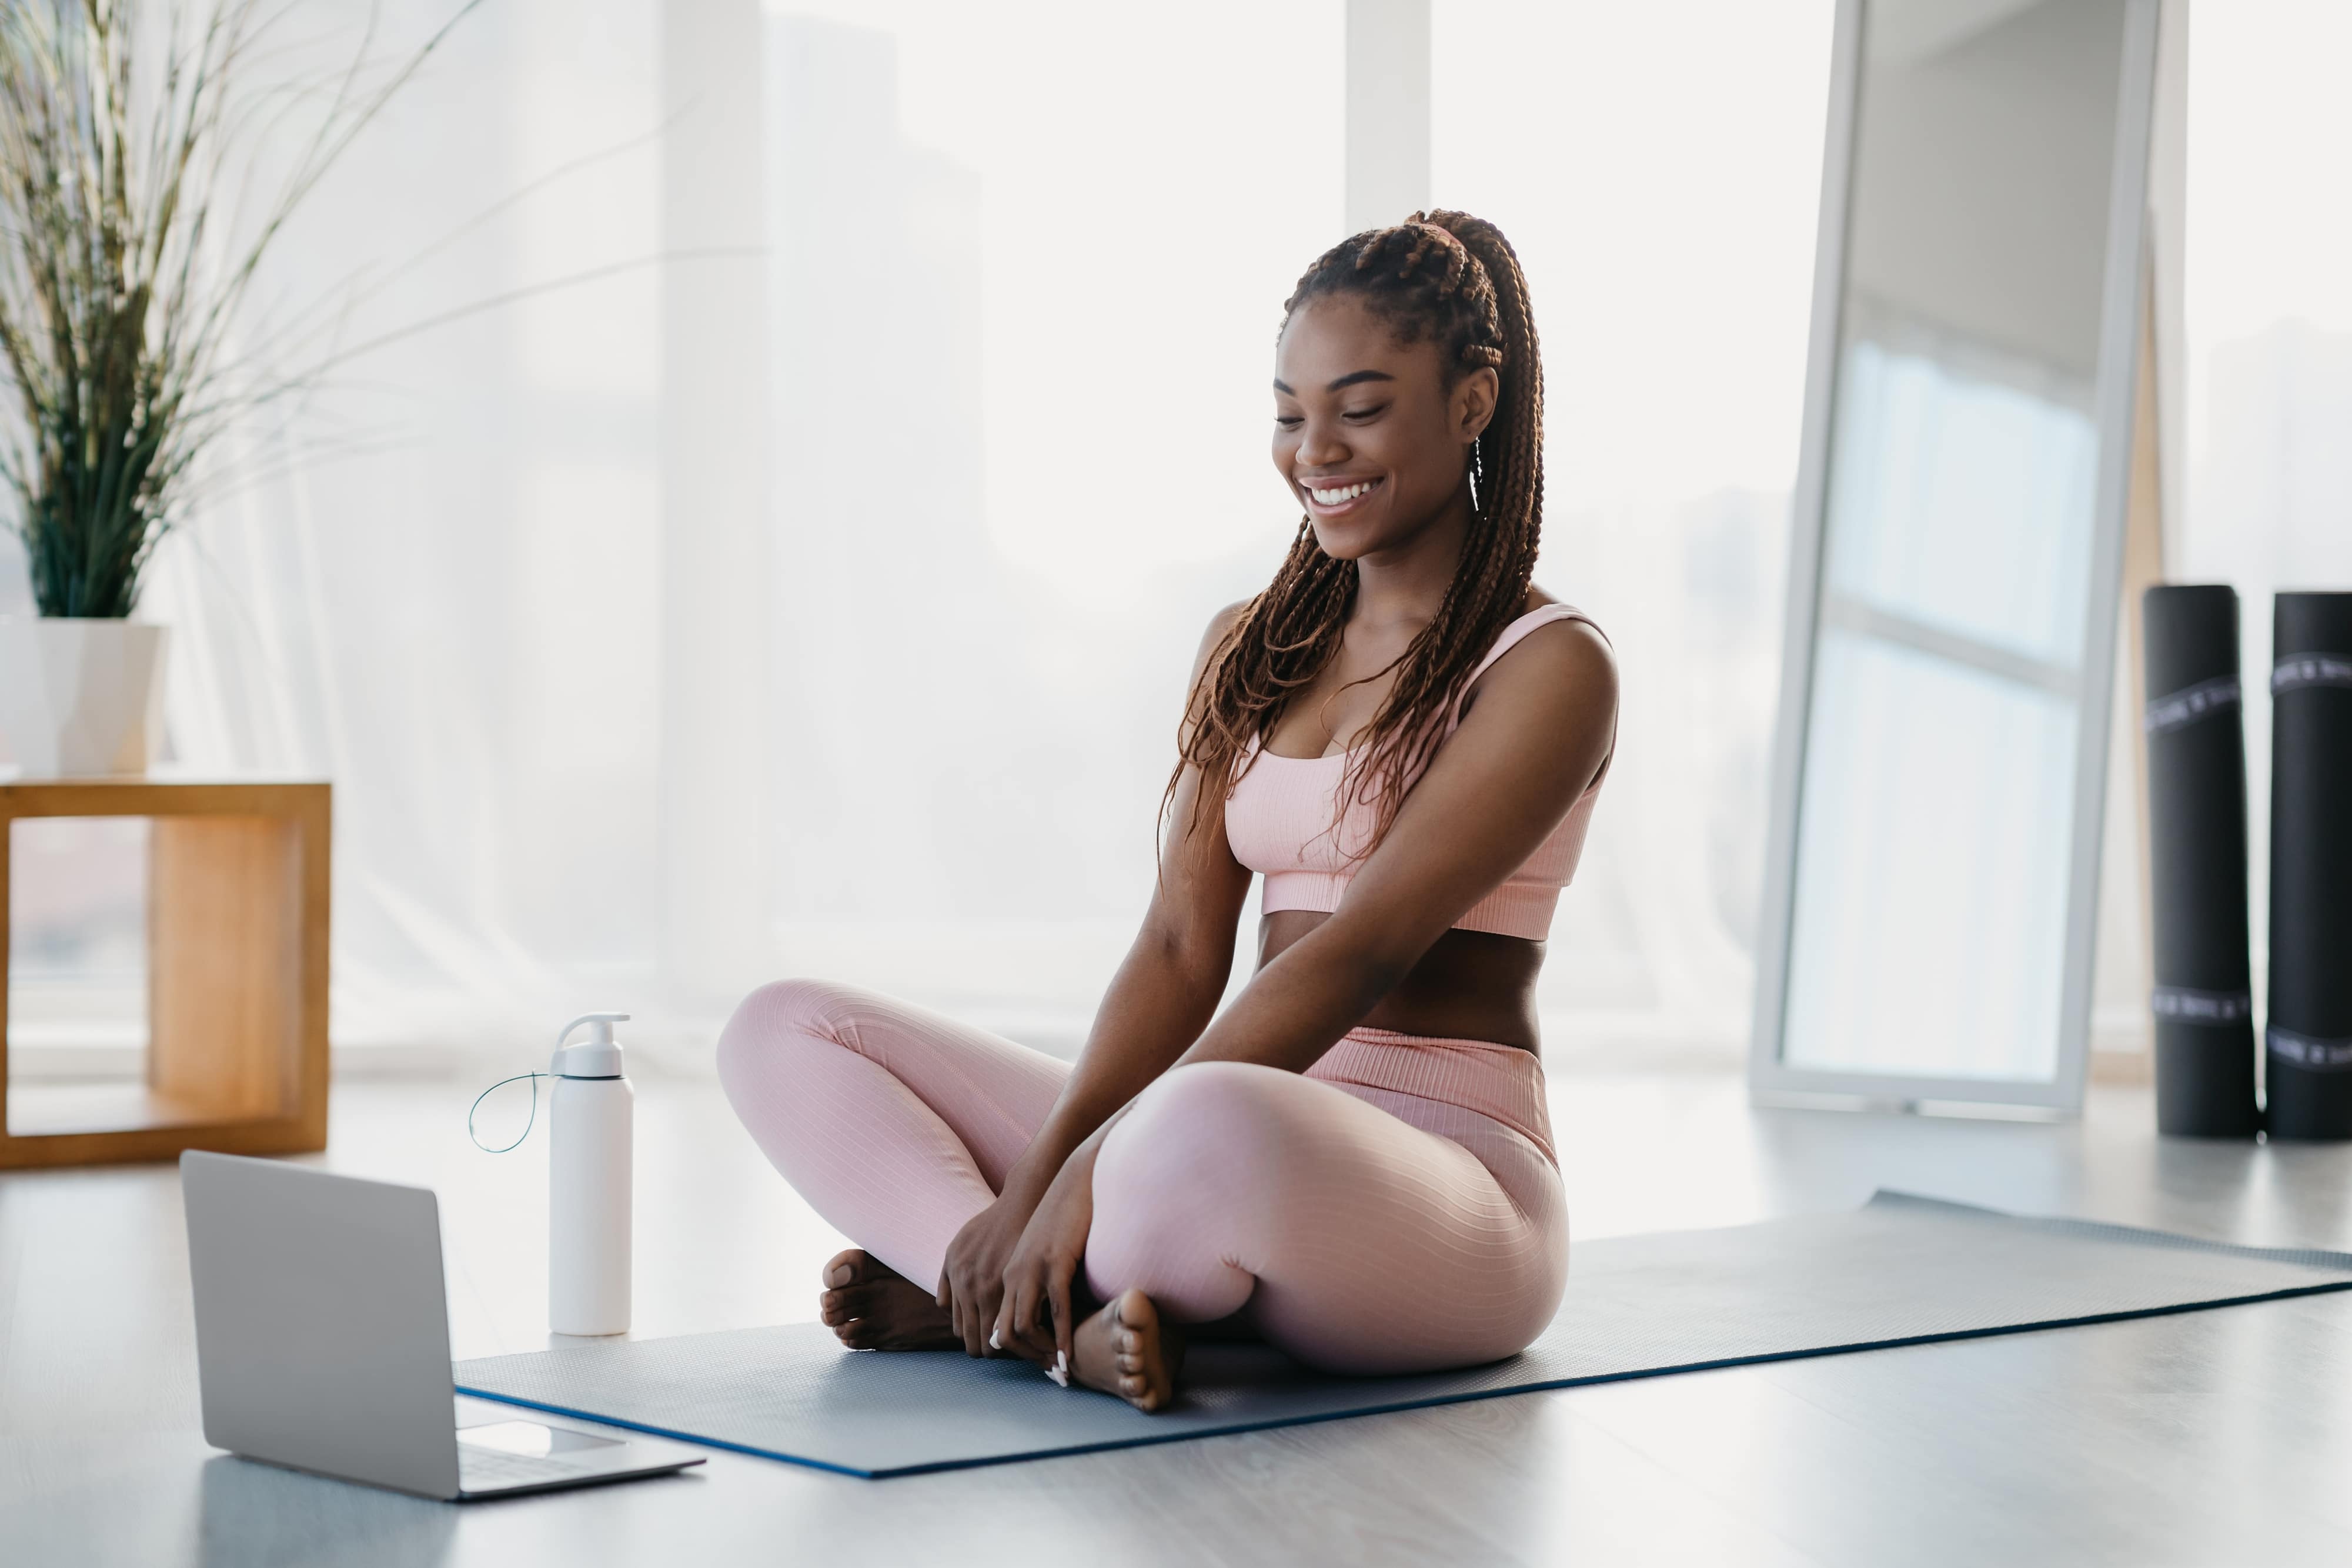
(237, 975)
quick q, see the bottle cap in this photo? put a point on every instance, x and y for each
(598, 1056)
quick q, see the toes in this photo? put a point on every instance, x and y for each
(846, 1267)
(1126, 1349)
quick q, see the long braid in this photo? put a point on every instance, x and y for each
(1455, 279)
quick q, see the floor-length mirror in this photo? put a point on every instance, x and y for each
(1932, 889)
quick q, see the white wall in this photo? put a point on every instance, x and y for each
(2269, 307)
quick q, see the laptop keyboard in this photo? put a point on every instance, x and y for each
(479, 1469)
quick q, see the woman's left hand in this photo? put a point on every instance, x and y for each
(1038, 1275)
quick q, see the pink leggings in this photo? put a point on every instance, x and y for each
(1397, 1208)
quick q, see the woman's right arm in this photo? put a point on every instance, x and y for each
(1163, 995)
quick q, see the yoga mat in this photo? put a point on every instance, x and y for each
(2309, 1036)
(2196, 860)
(1899, 1271)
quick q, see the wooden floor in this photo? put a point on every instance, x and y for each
(2215, 1437)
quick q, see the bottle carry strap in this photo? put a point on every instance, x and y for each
(527, 1124)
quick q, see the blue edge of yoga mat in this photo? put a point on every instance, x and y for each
(1899, 1270)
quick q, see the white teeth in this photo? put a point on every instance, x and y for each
(1334, 497)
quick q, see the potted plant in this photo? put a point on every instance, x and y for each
(120, 289)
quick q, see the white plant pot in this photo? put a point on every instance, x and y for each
(80, 698)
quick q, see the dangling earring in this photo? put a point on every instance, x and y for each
(1477, 471)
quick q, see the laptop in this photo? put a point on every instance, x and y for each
(322, 1342)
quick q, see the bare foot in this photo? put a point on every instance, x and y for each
(871, 1306)
(1126, 1350)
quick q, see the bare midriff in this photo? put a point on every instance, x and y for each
(1470, 984)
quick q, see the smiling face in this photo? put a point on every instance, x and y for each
(1367, 431)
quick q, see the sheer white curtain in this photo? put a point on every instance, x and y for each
(1119, 291)
(1658, 167)
(1024, 265)
(1026, 262)
(435, 584)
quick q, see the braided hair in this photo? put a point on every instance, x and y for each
(1452, 279)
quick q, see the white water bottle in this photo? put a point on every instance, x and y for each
(588, 1216)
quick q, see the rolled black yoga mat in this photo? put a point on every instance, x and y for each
(2310, 1024)
(2197, 857)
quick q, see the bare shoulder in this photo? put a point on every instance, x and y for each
(1564, 653)
(1558, 682)
(1222, 623)
(1223, 620)
(1196, 686)
(1570, 651)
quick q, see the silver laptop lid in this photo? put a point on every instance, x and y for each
(322, 1334)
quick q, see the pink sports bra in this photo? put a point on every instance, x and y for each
(1279, 821)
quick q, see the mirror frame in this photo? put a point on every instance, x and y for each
(2125, 277)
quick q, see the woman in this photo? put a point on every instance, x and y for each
(1352, 1161)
